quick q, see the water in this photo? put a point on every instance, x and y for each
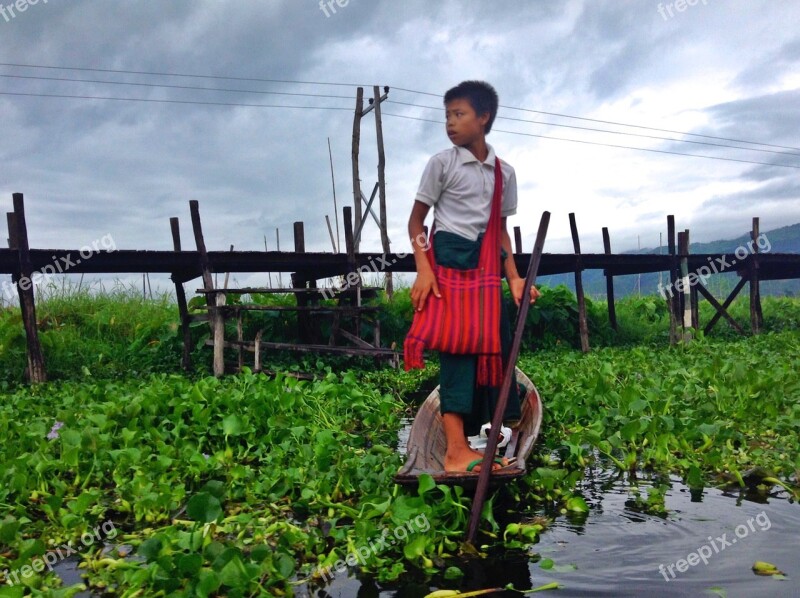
(617, 551)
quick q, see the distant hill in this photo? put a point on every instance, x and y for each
(780, 240)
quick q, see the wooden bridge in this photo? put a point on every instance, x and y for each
(307, 268)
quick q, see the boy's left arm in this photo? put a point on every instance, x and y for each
(516, 283)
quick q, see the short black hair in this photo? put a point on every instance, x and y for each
(480, 95)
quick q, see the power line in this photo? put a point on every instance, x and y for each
(537, 122)
(194, 102)
(79, 97)
(643, 149)
(164, 85)
(155, 73)
(620, 124)
(300, 82)
(253, 79)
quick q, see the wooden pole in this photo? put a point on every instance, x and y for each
(213, 300)
(382, 184)
(180, 295)
(36, 372)
(517, 240)
(671, 295)
(583, 327)
(756, 317)
(354, 156)
(278, 248)
(612, 308)
(351, 262)
(299, 282)
(336, 246)
(508, 375)
(686, 301)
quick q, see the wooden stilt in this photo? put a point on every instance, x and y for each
(612, 310)
(36, 372)
(214, 300)
(382, 184)
(517, 240)
(354, 156)
(756, 317)
(685, 286)
(583, 327)
(672, 292)
(180, 295)
(299, 281)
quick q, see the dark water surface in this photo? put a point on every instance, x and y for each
(617, 551)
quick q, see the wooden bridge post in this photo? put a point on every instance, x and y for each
(583, 328)
(382, 185)
(213, 300)
(756, 316)
(612, 309)
(354, 155)
(685, 284)
(180, 294)
(299, 281)
(352, 273)
(35, 372)
(671, 294)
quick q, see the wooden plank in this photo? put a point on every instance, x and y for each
(354, 309)
(721, 310)
(612, 309)
(313, 348)
(180, 295)
(583, 328)
(497, 419)
(35, 372)
(356, 340)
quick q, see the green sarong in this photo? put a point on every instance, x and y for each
(457, 389)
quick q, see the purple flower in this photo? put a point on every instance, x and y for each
(53, 434)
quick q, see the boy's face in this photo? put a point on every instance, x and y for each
(463, 125)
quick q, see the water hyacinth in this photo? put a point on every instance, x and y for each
(53, 434)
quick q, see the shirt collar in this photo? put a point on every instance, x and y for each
(465, 156)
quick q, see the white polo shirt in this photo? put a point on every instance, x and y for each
(460, 188)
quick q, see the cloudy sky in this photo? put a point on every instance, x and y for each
(717, 73)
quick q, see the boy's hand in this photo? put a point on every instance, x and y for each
(517, 286)
(424, 284)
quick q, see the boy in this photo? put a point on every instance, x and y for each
(459, 183)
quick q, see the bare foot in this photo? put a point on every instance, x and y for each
(460, 460)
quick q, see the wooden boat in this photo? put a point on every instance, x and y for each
(426, 442)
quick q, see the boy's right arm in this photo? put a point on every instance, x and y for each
(425, 282)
